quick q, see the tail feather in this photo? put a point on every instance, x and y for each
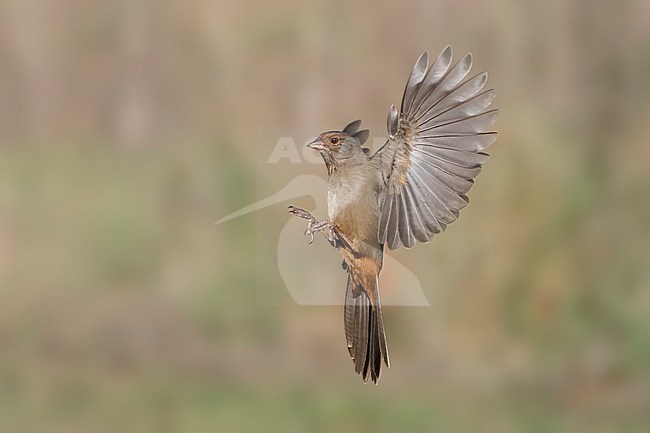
(364, 331)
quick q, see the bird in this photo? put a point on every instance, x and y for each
(408, 191)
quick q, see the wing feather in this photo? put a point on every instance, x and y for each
(435, 73)
(463, 125)
(453, 156)
(427, 217)
(467, 143)
(460, 94)
(420, 232)
(415, 80)
(474, 104)
(435, 150)
(443, 215)
(435, 165)
(448, 83)
(450, 202)
(405, 224)
(393, 226)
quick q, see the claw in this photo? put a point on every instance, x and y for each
(311, 239)
(300, 213)
(310, 231)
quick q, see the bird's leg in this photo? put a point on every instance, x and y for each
(326, 227)
(334, 236)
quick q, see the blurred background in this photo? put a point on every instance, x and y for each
(127, 128)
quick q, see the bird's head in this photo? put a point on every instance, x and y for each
(336, 147)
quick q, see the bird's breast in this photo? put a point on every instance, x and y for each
(352, 205)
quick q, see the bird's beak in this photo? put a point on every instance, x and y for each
(316, 145)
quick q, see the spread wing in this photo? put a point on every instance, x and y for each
(435, 149)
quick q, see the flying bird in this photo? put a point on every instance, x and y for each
(406, 192)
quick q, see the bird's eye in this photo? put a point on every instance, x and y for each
(334, 140)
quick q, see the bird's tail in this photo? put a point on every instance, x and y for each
(364, 329)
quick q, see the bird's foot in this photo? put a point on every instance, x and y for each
(329, 230)
(315, 226)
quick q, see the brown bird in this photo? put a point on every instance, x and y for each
(408, 191)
